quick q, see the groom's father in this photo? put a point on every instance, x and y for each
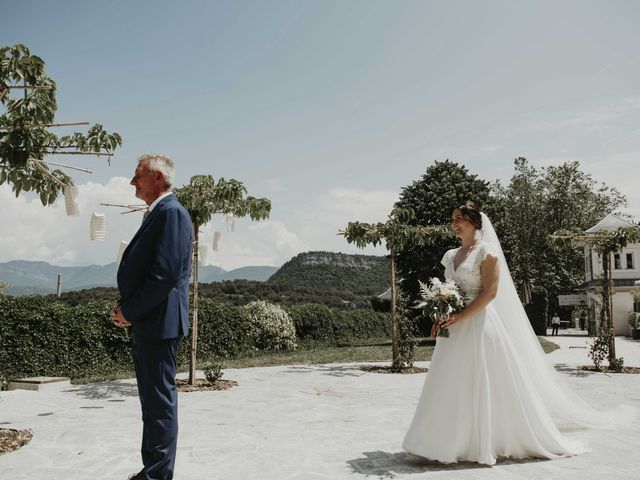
(153, 280)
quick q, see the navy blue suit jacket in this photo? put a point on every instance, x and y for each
(153, 276)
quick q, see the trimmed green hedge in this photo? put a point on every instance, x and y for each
(41, 337)
(38, 337)
(318, 323)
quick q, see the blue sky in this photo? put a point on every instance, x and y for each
(328, 108)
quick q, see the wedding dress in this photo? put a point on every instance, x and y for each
(490, 392)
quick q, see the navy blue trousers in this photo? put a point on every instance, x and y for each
(155, 364)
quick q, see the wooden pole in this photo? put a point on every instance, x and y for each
(59, 285)
(85, 170)
(47, 125)
(27, 87)
(99, 154)
(194, 308)
(612, 345)
(394, 319)
(47, 172)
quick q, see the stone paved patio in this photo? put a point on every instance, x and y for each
(295, 422)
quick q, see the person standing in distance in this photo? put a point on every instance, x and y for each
(153, 280)
(555, 324)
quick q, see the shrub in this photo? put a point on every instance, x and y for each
(318, 323)
(38, 337)
(537, 310)
(213, 371)
(271, 326)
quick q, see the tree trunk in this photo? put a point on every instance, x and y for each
(612, 344)
(194, 307)
(394, 319)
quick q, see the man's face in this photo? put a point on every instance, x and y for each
(147, 182)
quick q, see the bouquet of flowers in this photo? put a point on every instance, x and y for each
(439, 299)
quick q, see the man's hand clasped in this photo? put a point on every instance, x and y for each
(117, 318)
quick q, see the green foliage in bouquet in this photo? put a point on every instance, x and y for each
(440, 299)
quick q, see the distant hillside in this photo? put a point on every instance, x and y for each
(357, 274)
(333, 279)
(27, 277)
(40, 278)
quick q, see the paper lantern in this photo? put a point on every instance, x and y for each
(216, 241)
(71, 200)
(231, 223)
(98, 228)
(202, 254)
(123, 247)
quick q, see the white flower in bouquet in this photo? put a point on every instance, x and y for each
(440, 298)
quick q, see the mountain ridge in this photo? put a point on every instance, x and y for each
(40, 278)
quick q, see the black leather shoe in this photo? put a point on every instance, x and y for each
(137, 476)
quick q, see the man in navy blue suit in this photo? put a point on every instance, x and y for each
(153, 279)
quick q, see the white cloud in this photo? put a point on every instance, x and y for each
(597, 119)
(322, 219)
(34, 232)
(252, 243)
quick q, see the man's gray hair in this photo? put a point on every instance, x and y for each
(159, 163)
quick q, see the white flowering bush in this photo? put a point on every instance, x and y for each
(271, 326)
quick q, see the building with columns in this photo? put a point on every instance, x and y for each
(625, 272)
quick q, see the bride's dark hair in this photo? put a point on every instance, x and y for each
(470, 212)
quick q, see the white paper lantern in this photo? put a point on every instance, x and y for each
(202, 254)
(98, 227)
(123, 247)
(71, 200)
(216, 241)
(231, 223)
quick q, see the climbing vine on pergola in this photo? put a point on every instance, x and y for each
(605, 243)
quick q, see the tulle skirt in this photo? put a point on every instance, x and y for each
(477, 403)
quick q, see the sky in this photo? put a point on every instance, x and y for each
(328, 108)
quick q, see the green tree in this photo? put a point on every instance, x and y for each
(398, 232)
(24, 136)
(443, 185)
(538, 202)
(203, 197)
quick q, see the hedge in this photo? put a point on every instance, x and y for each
(41, 337)
(321, 324)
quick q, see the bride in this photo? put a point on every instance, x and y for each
(489, 391)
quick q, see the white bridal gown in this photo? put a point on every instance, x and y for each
(478, 403)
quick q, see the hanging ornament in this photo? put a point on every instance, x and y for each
(71, 200)
(123, 247)
(216, 241)
(202, 254)
(98, 227)
(231, 223)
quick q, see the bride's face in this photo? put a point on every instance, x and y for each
(460, 225)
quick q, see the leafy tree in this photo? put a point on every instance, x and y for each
(443, 185)
(24, 136)
(3, 286)
(538, 202)
(397, 233)
(203, 197)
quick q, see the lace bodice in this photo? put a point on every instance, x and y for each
(467, 275)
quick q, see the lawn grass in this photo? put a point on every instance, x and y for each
(376, 350)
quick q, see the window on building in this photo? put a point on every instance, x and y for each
(617, 264)
(630, 261)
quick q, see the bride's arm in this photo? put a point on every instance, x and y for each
(490, 276)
